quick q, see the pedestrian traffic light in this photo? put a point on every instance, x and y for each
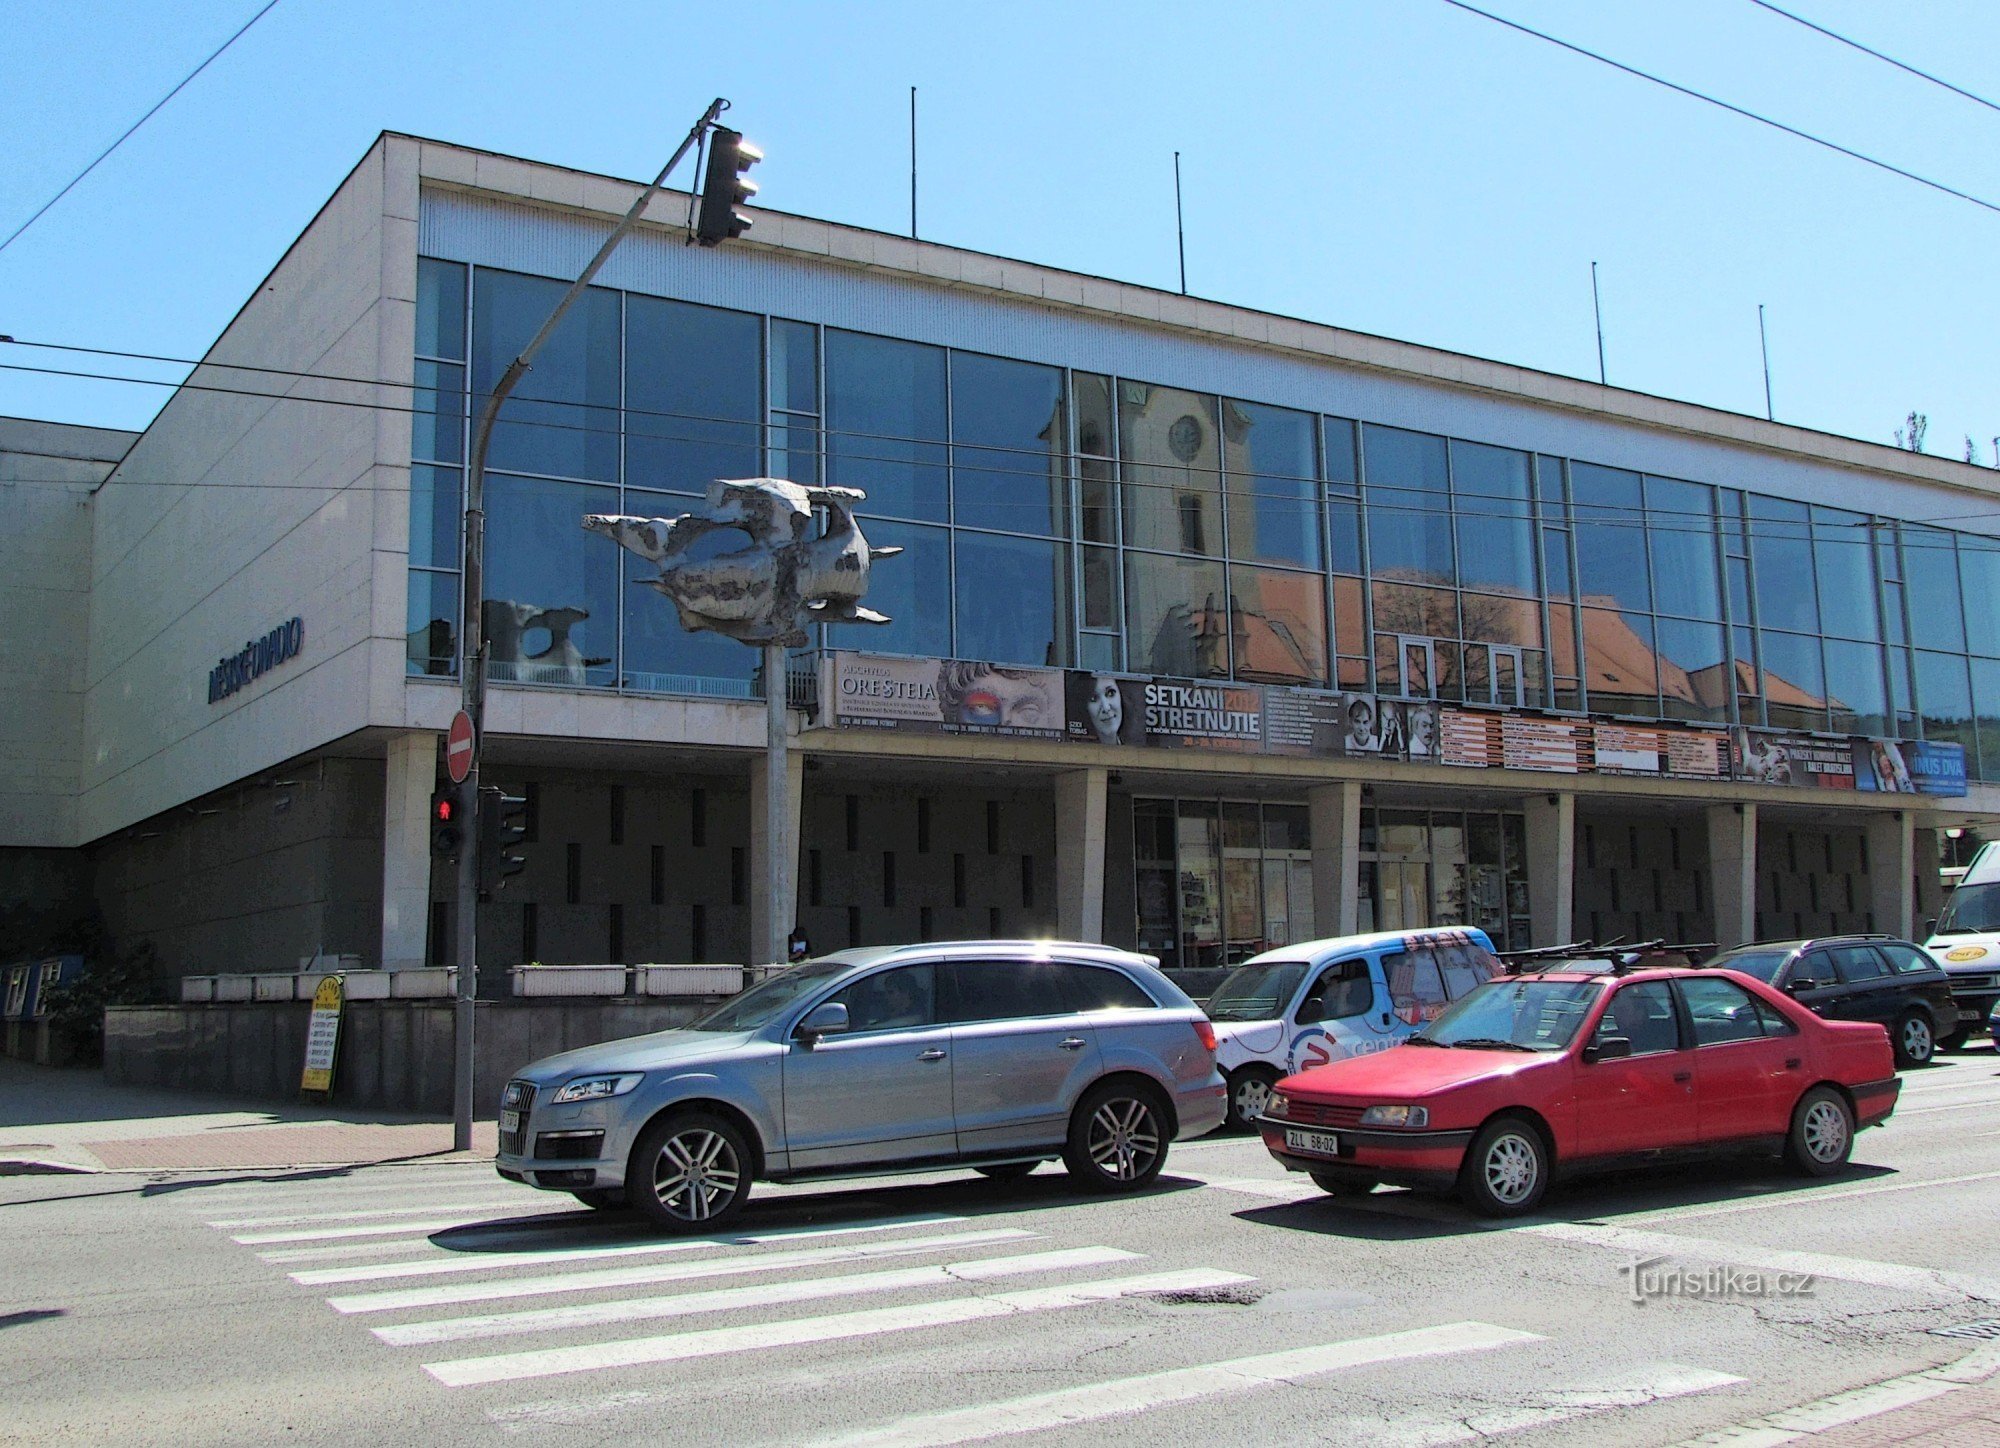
(503, 824)
(725, 187)
(447, 829)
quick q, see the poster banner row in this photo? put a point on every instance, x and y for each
(960, 696)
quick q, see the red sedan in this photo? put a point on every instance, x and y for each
(1532, 1075)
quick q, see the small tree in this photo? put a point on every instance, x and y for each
(76, 1010)
(1910, 436)
(1971, 450)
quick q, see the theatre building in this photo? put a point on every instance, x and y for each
(1211, 630)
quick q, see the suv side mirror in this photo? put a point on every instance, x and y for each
(1609, 1048)
(1311, 1009)
(828, 1018)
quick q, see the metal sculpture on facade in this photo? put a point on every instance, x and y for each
(772, 590)
(768, 593)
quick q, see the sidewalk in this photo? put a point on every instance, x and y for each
(70, 1120)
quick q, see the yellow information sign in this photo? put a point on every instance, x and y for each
(323, 1035)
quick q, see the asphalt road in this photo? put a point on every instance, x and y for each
(440, 1304)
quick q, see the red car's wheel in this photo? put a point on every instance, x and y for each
(1822, 1132)
(1507, 1170)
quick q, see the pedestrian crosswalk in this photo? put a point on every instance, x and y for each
(495, 1293)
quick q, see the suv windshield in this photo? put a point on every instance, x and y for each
(1533, 1015)
(1762, 965)
(1256, 992)
(1972, 910)
(757, 1006)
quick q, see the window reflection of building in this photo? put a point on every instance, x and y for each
(1215, 537)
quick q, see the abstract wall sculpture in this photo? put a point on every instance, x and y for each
(784, 581)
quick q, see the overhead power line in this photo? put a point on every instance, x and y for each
(1869, 50)
(178, 88)
(1749, 115)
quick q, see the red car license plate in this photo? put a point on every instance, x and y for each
(1318, 1143)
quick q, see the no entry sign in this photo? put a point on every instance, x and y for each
(458, 747)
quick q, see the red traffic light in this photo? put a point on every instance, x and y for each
(444, 809)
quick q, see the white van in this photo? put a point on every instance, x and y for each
(1323, 1000)
(1966, 942)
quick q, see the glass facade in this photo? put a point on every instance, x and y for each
(1051, 516)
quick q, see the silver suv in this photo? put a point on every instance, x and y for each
(989, 1054)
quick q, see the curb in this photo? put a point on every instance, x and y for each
(1844, 1409)
(32, 1166)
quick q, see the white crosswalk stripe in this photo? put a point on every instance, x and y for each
(489, 1261)
(426, 1209)
(1122, 1397)
(765, 1337)
(405, 1228)
(1632, 1388)
(402, 1299)
(768, 1294)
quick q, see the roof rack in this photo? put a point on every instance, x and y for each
(1616, 956)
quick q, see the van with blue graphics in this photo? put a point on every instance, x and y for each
(1966, 942)
(1323, 1000)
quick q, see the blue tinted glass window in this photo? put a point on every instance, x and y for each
(1844, 557)
(1268, 455)
(551, 610)
(1986, 695)
(660, 655)
(1979, 563)
(1496, 532)
(437, 414)
(1343, 513)
(1409, 505)
(693, 394)
(1944, 693)
(794, 367)
(1930, 572)
(913, 589)
(1855, 690)
(436, 507)
(562, 416)
(433, 624)
(1010, 445)
(885, 418)
(1610, 536)
(1781, 548)
(440, 309)
(1794, 681)
(1680, 532)
(1013, 599)
(1694, 670)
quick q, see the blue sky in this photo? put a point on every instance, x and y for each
(1398, 167)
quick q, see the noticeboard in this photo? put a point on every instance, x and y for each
(323, 1036)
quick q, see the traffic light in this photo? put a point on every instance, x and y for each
(503, 824)
(447, 828)
(725, 187)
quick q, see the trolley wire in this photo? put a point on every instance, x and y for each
(1743, 111)
(127, 134)
(1869, 50)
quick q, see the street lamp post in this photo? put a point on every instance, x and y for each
(472, 643)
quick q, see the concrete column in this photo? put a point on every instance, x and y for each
(1080, 796)
(1551, 832)
(1333, 814)
(1732, 872)
(763, 927)
(1892, 872)
(410, 777)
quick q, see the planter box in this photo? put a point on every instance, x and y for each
(235, 987)
(431, 982)
(569, 980)
(689, 980)
(196, 989)
(273, 988)
(366, 985)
